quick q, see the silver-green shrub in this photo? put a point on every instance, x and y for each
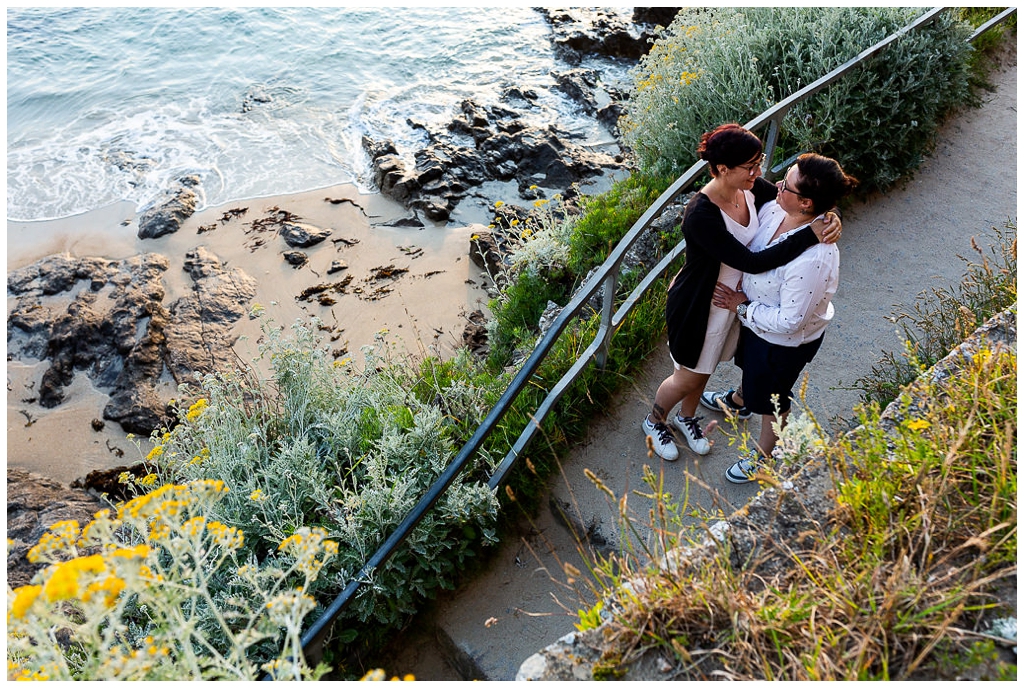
(719, 65)
(343, 447)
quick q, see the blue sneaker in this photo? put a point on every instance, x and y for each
(743, 471)
(722, 401)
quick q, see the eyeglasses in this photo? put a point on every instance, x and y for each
(752, 167)
(784, 187)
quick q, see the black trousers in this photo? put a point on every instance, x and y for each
(771, 369)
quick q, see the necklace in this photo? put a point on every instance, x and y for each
(734, 203)
(724, 201)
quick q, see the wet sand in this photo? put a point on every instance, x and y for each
(424, 311)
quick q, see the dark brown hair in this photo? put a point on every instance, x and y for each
(823, 181)
(729, 145)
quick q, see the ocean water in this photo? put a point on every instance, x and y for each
(112, 104)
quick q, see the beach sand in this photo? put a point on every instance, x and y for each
(424, 313)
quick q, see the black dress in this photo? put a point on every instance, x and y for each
(709, 244)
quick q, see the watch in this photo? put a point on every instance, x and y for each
(741, 310)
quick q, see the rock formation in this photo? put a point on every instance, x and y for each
(168, 212)
(107, 318)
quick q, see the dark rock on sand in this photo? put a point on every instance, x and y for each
(474, 335)
(481, 143)
(34, 503)
(199, 341)
(485, 251)
(300, 235)
(296, 258)
(107, 483)
(167, 213)
(107, 318)
(95, 332)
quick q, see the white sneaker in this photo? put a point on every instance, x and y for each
(661, 440)
(690, 427)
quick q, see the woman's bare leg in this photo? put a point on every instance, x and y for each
(688, 406)
(682, 386)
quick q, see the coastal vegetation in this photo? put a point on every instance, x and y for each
(268, 495)
(730, 65)
(908, 576)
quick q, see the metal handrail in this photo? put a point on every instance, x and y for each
(607, 278)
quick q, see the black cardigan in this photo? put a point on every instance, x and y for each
(708, 245)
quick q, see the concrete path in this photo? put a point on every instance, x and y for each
(894, 247)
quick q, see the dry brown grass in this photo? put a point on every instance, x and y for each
(898, 581)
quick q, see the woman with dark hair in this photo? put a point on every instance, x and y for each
(718, 224)
(784, 311)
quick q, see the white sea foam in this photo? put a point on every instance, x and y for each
(108, 105)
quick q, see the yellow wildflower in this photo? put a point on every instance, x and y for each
(257, 495)
(202, 488)
(158, 532)
(194, 526)
(146, 573)
(196, 410)
(147, 480)
(63, 583)
(686, 78)
(155, 452)
(24, 598)
(498, 204)
(59, 538)
(98, 529)
(289, 605)
(305, 545)
(918, 424)
(136, 552)
(109, 588)
(226, 536)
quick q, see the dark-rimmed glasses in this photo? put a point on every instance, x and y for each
(784, 187)
(752, 167)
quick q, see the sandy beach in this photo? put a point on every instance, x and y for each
(423, 308)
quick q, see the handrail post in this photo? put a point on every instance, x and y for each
(771, 138)
(611, 283)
